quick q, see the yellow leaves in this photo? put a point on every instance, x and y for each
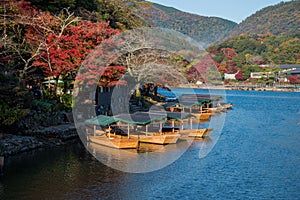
(248, 56)
(276, 50)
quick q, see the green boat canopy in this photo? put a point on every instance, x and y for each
(41, 103)
(102, 120)
(184, 104)
(199, 97)
(141, 118)
(178, 116)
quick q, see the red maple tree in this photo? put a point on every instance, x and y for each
(62, 53)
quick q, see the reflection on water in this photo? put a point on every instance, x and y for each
(72, 172)
(256, 157)
(148, 157)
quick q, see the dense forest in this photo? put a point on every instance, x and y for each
(244, 52)
(205, 30)
(260, 49)
(280, 19)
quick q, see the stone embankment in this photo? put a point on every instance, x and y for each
(39, 138)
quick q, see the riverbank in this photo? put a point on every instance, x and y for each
(242, 88)
(42, 138)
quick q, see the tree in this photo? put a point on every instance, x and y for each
(294, 79)
(239, 75)
(121, 14)
(62, 52)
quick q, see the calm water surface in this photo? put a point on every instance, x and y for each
(256, 157)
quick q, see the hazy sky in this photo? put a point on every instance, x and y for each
(234, 10)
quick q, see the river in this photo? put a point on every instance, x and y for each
(257, 156)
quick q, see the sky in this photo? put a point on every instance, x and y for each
(234, 10)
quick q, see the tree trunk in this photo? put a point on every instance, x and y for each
(138, 91)
(55, 85)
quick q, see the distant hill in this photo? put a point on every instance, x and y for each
(205, 30)
(283, 18)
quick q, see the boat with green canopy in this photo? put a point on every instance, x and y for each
(102, 133)
(193, 107)
(147, 127)
(185, 121)
(201, 105)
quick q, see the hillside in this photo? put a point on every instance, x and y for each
(205, 30)
(283, 18)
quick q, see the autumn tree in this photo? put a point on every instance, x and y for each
(294, 79)
(64, 53)
(239, 75)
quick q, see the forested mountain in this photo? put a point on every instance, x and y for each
(264, 49)
(120, 14)
(283, 18)
(205, 30)
(243, 52)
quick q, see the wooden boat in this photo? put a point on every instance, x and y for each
(213, 110)
(198, 132)
(207, 132)
(158, 138)
(112, 140)
(144, 121)
(106, 138)
(115, 142)
(202, 116)
(227, 105)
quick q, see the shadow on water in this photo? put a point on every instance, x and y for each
(50, 173)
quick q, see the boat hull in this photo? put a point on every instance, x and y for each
(199, 133)
(202, 116)
(159, 139)
(119, 143)
(207, 132)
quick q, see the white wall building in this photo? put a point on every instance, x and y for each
(229, 76)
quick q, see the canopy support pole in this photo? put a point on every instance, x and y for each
(94, 130)
(128, 131)
(160, 127)
(173, 124)
(146, 130)
(87, 134)
(109, 132)
(191, 124)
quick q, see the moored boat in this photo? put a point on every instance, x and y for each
(204, 132)
(107, 138)
(150, 125)
(207, 132)
(202, 116)
(115, 141)
(158, 138)
(227, 105)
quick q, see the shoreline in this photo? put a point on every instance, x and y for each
(54, 136)
(241, 88)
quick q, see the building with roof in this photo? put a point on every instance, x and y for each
(293, 69)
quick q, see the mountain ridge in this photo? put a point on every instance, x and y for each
(205, 30)
(278, 19)
(282, 18)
